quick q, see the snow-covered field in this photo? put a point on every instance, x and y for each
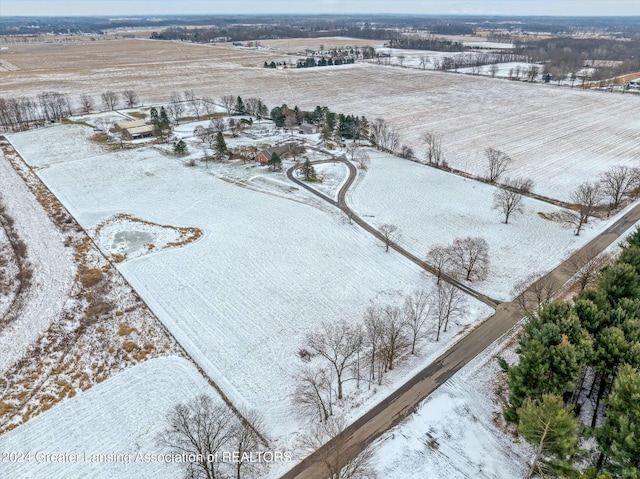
(559, 136)
(52, 263)
(270, 266)
(121, 416)
(518, 70)
(431, 207)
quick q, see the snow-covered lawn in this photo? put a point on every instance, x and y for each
(431, 207)
(54, 144)
(121, 416)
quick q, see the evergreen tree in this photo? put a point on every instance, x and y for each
(240, 106)
(275, 163)
(553, 429)
(619, 280)
(220, 147)
(308, 171)
(552, 352)
(180, 148)
(620, 436)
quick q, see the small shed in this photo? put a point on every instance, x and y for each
(308, 129)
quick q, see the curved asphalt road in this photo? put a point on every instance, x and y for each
(399, 404)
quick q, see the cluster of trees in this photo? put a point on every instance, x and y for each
(465, 258)
(474, 60)
(223, 445)
(613, 188)
(26, 112)
(343, 352)
(432, 43)
(564, 56)
(332, 125)
(587, 352)
(323, 62)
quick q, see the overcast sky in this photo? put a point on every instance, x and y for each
(472, 7)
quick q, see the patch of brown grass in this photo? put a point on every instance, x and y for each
(125, 330)
(118, 258)
(129, 346)
(89, 276)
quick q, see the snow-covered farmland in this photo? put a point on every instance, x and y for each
(121, 416)
(559, 136)
(269, 267)
(53, 268)
(431, 207)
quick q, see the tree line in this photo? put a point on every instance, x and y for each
(357, 353)
(577, 377)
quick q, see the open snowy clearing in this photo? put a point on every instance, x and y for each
(432, 207)
(558, 136)
(52, 263)
(269, 267)
(121, 416)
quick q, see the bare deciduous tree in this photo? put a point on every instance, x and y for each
(86, 102)
(244, 441)
(471, 256)
(499, 162)
(618, 183)
(217, 124)
(194, 102)
(362, 159)
(394, 339)
(417, 309)
(448, 303)
(372, 336)
(130, 98)
(536, 290)
(338, 343)
(314, 395)
(389, 234)
(109, 100)
(587, 267)
(406, 152)
(334, 457)
(175, 109)
(433, 144)
(199, 428)
(440, 258)
(383, 135)
(508, 202)
(228, 102)
(104, 125)
(587, 198)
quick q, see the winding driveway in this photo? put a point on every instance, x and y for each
(399, 404)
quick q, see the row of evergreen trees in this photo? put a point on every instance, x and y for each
(330, 124)
(583, 354)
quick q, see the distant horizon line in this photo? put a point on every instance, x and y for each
(151, 15)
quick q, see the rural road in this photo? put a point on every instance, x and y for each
(392, 409)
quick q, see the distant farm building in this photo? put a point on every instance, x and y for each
(138, 132)
(633, 84)
(283, 151)
(134, 129)
(308, 129)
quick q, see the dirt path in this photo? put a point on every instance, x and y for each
(398, 405)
